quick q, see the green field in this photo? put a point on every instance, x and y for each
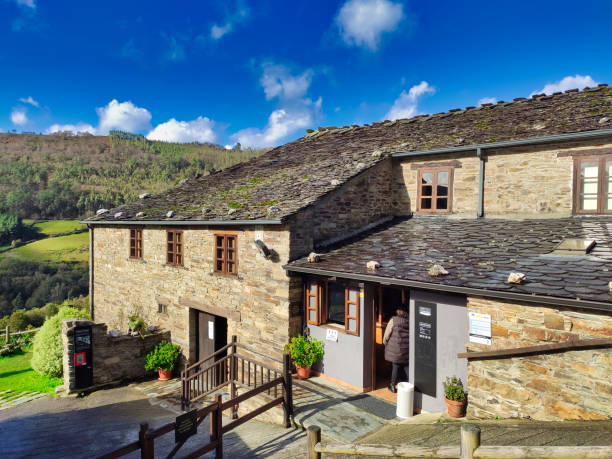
(17, 374)
(59, 226)
(71, 248)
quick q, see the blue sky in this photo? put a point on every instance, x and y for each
(261, 72)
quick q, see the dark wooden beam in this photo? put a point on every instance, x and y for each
(540, 349)
(214, 310)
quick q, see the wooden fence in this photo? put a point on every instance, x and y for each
(468, 449)
(209, 375)
(7, 333)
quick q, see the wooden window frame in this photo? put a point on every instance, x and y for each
(135, 249)
(321, 309)
(347, 303)
(176, 255)
(434, 189)
(224, 259)
(317, 308)
(601, 183)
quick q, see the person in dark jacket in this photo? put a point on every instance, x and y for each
(397, 345)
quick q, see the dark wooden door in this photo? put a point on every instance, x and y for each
(206, 335)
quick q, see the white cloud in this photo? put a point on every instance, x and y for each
(277, 81)
(130, 51)
(406, 105)
(28, 3)
(487, 100)
(29, 100)
(199, 130)
(175, 51)
(19, 117)
(569, 82)
(362, 22)
(281, 123)
(74, 128)
(124, 116)
(231, 20)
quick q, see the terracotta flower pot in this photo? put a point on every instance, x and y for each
(303, 372)
(164, 375)
(455, 409)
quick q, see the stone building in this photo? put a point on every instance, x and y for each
(515, 187)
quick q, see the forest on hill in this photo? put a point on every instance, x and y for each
(71, 176)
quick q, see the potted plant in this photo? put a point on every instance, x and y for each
(455, 397)
(137, 325)
(305, 352)
(163, 358)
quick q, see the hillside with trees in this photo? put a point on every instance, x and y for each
(70, 176)
(50, 177)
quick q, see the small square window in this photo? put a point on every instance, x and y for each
(434, 190)
(174, 247)
(226, 253)
(162, 308)
(136, 243)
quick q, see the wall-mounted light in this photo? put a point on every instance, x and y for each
(265, 251)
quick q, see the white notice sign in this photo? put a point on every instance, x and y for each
(331, 335)
(211, 329)
(480, 328)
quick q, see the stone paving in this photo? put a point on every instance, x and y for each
(10, 398)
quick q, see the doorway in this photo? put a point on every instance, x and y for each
(388, 300)
(211, 335)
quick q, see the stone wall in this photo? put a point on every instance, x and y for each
(534, 181)
(554, 386)
(256, 301)
(115, 359)
(364, 199)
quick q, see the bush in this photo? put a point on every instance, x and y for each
(453, 389)
(305, 350)
(47, 355)
(163, 357)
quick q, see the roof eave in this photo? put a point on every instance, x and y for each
(182, 222)
(509, 143)
(557, 301)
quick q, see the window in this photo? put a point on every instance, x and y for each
(174, 244)
(162, 308)
(333, 303)
(226, 253)
(593, 185)
(434, 190)
(136, 243)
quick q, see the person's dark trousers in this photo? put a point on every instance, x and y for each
(395, 371)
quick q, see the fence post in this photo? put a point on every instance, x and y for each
(287, 389)
(216, 426)
(233, 376)
(470, 440)
(313, 437)
(147, 445)
(8, 335)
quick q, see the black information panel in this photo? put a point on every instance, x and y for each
(186, 426)
(83, 367)
(425, 348)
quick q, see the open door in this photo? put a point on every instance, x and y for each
(212, 335)
(389, 299)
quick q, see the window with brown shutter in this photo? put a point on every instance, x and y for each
(593, 185)
(313, 295)
(435, 190)
(351, 312)
(174, 247)
(136, 243)
(226, 253)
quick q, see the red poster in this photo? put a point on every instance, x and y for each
(79, 359)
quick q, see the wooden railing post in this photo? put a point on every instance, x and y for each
(287, 390)
(147, 445)
(313, 437)
(233, 376)
(470, 440)
(216, 426)
(8, 335)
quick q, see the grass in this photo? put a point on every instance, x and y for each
(71, 248)
(17, 374)
(59, 226)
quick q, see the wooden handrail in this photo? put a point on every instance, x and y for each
(251, 393)
(252, 414)
(542, 348)
(204, 370)
(224, 348)
(255, 362)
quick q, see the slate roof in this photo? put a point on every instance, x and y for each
(293, 176)
(481, 253)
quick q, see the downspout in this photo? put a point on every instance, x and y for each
(91, 272)
(481, 183)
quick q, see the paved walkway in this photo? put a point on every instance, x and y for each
(10, 398)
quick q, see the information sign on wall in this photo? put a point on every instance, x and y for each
(331, 335)
(480, 328)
